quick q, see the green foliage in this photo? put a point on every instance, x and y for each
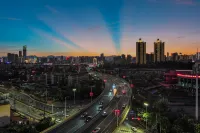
(197, 128)
(44, 123)
(7, 85)
(183, 124)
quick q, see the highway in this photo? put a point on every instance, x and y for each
(74, 124)
(103, 122)
(116, 103)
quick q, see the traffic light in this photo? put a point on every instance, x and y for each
(138, 118)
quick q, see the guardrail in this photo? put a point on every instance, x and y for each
(72, 116)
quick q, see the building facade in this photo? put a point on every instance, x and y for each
(140, 52)
(159, 51)
(24, 52)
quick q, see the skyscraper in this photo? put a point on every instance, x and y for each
(141, 52)
(159, 51)
(20, 53)
(24, 52)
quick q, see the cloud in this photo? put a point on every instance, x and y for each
(181, 37)
(53, 10)
(14, 19)
(185, 2)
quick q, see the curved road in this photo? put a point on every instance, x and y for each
(117, 103)
(75, 123)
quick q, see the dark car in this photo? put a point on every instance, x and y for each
(101, 103)
(104, 114)
(124, 106)
(85, 114)
(88, 118)
(100, 107)
(96, 130)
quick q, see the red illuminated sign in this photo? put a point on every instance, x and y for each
(187, 76)
(91, 94)
(117, 112)
(132, 85)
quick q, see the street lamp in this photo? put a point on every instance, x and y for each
(65, 107)
(46, 94)
(52, 108)
(146, 105)
(91, 93)
(74, 90)
(117, 111)
(196, 71)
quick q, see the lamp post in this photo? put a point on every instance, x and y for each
(91, 93)
(146, 105)
(117, 113)
(52, 108)
(65, 106)
(46, 94)
(74, 90)
(196, 70)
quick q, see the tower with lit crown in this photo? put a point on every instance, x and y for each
(140, 52)
(159, 51)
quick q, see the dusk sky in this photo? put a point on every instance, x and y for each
(91, 27)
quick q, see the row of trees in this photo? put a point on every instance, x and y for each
(160, 119)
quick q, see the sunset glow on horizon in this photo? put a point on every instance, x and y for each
(91, 27)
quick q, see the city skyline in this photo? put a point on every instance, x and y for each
(98, 26)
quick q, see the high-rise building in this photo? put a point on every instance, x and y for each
(20, 53)
(24, 52)
(129, 59)
(159, 51)
(102, 57)
(174, 56)
(141, 52)
(123, 56)
(150, 57)
(11, 57)
(16, 58)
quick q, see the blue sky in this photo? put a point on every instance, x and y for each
(89, 27)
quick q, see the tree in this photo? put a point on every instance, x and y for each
(44, 123)
(161, 106)
(7, 85)
(197, 128)
(183, 124)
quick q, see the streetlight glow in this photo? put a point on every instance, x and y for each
(146, 104)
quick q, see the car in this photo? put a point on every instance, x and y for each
(58, 120)
(85, 114)
(134, 129)
(88, 118)
(100, 107)
(101, 103)
(104, 113)
(96, 130)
